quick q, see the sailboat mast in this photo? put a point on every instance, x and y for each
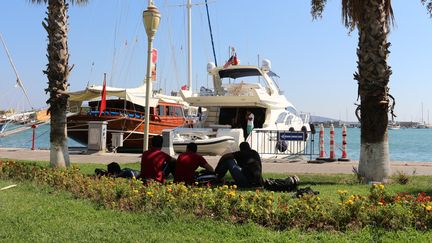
(19, 82)
(189, 10)
(422, 112)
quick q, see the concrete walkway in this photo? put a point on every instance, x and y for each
(269, 166)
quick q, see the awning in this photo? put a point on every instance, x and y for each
(134, 95)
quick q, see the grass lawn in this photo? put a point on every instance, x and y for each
(32, 213)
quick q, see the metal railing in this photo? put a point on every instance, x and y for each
(282, 144)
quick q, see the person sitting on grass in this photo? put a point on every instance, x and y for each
(187, 163)
(244, 166)
(246, 170)
(114, 170)
(155, 163)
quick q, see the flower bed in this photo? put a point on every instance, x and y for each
(275, 210)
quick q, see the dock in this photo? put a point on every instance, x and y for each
(268, 165)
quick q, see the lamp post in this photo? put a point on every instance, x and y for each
(151, 18)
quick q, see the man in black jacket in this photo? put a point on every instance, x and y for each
(246, 170)
(244, 165)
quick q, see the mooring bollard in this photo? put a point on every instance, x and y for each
(332, 145)
(34, 126)
(344, 143)
(321, 144)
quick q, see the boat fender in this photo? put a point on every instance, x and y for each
(312, 127)
(304, 130)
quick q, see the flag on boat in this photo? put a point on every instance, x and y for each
(102, 104)
(184, 87)
(154, 60)
(233, 59)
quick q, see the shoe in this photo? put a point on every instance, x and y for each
(296, 179)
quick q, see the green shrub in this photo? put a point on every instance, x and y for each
(275, 210)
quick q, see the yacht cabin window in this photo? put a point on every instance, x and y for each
(281, 117)
(289, 119)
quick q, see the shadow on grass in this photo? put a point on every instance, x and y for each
(316, 183)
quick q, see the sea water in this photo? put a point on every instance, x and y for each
(408, 144)
(405, 144)
(24, 139)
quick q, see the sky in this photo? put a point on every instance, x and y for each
(316, 60)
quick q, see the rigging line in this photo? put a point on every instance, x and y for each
(205, 48)
(8, 93)
(173, 51)
(128, 64)
(115, 48)
(217, 31)
(90, 75)
(124, 22)
(211, 33)
(131, 53)
(185, 40)
(19, 82)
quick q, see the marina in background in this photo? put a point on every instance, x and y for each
(405, 144)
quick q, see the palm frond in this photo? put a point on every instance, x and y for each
(428, 4)
(317, 8)
(353, 12)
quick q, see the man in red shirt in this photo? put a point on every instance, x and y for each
(154, 161)
(187, 163)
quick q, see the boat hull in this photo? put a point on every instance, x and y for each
(132, 129)
(210, 146)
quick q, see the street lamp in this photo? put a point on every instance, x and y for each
(151, 18)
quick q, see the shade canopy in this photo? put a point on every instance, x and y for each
(134, 95)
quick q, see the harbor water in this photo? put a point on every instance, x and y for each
(405, 144)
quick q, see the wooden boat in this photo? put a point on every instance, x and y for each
(124, 114)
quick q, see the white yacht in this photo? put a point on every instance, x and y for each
(393, 126)
(237, 89)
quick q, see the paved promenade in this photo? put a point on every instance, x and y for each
(269, 165)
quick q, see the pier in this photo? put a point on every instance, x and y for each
(269, 165)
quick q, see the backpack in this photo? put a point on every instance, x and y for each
(128, 173)
(282, 185)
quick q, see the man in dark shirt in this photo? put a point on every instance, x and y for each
(244, 165)
(154, 161)
(187, 163)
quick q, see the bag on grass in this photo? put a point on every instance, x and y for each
(282, 185)
(305, 191)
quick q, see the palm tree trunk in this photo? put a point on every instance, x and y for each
(373, 76)
(57, 71)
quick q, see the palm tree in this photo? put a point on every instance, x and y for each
(56, 24)
(372, 18)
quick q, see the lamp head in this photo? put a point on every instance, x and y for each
(151, 18)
